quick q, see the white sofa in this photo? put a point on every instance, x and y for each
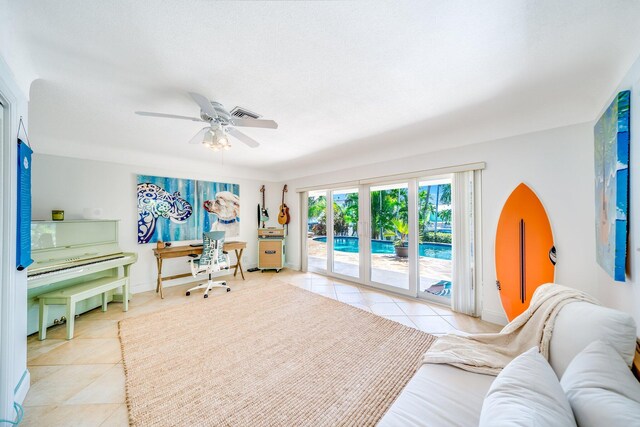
(442, 395)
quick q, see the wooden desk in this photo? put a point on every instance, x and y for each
(186, 250)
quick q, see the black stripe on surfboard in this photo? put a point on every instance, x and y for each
(523, 274)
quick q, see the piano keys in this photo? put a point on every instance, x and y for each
(71, 252)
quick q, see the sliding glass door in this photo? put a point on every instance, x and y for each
(332, 239)
(390, 236)
(317, 231)
(435, 234)
(346, 243)
(399, 235)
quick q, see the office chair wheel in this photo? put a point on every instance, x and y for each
(206, 296)
(188, 293)
(228, 289)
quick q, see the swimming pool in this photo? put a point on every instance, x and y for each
(350, 244)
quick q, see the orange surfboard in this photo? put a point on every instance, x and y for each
(525, 254)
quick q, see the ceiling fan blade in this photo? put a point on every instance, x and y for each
(205, 104)
(199, 137)
(243, 138)
(167, 116)
(254, 123)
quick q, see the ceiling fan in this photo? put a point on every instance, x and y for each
(220, 123)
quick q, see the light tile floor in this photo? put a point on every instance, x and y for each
(81, 382)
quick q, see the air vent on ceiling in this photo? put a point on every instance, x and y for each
(244, 113)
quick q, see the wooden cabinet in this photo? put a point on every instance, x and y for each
(271, 254)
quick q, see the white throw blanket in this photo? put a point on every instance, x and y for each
(489, 353)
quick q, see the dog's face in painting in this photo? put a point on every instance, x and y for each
(226, 205)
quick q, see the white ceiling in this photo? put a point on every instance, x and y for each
(349, 82)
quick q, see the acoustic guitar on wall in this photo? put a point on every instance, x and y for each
(283, 214)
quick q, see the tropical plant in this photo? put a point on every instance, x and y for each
(445, 194)
(445, 216)
(351, 214)
(430, 212)
(317, 212)
(340, 223)
(385, 206)
(319, 229)
(425, 209)
(317, 207)
(402, 230)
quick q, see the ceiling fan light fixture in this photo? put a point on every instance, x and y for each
(219, 122)
(208, 137)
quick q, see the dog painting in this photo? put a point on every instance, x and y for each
(174, 209)
(226, 207)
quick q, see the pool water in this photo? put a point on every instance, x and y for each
(350, 244)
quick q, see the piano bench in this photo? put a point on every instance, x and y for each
(73, 294)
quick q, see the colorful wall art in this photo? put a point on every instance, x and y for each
(171, 209)
(612, 186)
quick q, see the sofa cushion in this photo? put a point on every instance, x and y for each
(580, 323)
(439, 395)
(601, 388)
(527, 393)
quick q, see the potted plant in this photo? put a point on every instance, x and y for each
(400, 244)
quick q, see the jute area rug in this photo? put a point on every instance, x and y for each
(270, 355)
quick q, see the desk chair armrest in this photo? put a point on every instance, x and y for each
(193, 263)
(227, 260)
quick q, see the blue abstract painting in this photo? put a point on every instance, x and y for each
(612, 186)
(172, 209)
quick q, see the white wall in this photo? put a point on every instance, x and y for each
(557, 164)
(626, 296)
(73, 184)
(14, 376)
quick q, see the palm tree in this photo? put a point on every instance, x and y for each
(425, 208)
(351, 214)
(383, 206)
(435, 225)
(317, 212)
(445, 216)
(445, 197)
(317, 207)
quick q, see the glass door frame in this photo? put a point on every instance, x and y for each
(364, 235)
(305, 239)
(364, 230)
(330, 215)
(425, 296)
(412, 215)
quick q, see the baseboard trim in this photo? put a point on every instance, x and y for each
(292, 266)
(151, 286)
(22, 388)
(496, 317)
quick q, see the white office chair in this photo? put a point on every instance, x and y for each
(212, 260)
